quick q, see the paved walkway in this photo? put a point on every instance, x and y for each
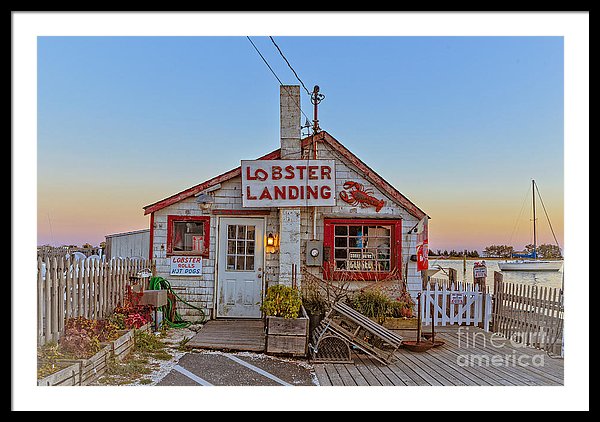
(206, 368)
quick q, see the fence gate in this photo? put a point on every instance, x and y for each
(460, 304)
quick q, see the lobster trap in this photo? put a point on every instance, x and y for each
(327, 347)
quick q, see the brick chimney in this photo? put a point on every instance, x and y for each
(290, 122)
(289, 218)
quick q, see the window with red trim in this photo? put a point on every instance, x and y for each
(365, 249)
(188, 235)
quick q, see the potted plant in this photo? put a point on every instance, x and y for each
(315, 303)
(286, 321)
(400, 314)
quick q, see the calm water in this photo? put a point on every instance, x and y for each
(541, 278)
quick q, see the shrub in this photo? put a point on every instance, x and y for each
(282, 301)
(132, 313)
(82, 336)
(79, 343)
(371, 303)
(376, 304)
(119, 320)
(135, 321)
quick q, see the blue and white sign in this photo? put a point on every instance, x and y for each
(186, 265)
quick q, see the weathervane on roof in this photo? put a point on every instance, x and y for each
(315, 98)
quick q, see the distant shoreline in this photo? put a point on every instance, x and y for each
(460, 258)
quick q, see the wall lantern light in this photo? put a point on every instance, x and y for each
(204, 201)
(271, 243)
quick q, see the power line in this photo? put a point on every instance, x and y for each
(273, 72)
(290, 66)
(265, 60)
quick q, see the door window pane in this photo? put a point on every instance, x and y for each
(241, 249)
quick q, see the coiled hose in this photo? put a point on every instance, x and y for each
(172, 319)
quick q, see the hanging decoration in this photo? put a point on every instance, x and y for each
(357, 195)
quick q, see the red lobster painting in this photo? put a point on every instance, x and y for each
(358, 195)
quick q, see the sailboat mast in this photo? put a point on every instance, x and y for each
(534, 231)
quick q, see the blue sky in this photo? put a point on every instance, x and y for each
(460, 125)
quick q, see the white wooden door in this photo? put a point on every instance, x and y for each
(240, 267)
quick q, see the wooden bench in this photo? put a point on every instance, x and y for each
(367, 335)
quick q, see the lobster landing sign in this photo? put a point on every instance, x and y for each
(288, 183)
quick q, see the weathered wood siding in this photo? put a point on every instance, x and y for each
(200, 291)
(128, 245)
(345, 171)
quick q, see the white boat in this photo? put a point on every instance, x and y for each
(532, 263)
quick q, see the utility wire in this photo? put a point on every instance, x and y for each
(290, 66)
(273, 72)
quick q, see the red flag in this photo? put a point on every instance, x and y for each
(422, 245)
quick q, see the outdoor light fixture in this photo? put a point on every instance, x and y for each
(205, 201)
(271, 243)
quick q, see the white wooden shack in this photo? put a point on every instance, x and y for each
(310, 204)
(133, 244)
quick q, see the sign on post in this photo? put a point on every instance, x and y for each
(288, 183)
(480, 270)
(457, 299)
(186, 265)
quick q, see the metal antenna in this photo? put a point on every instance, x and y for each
(315, 98)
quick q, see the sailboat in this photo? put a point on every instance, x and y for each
(530, 262)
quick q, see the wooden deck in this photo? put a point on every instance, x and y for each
(471, 358)
(239, 335)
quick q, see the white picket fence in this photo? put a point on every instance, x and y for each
(456, 304)
(87, 287)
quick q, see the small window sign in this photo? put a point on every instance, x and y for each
(186, 265)
(480, 270)
(457, 298)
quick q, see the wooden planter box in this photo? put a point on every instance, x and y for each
(288, 336)
(400, 323)
(146, 328)
(92, 368)
(85, 371)
(69, 375)
(122, 346)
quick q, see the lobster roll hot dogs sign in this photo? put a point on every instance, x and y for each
(288, 183)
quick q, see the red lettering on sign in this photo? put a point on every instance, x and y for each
(265, 194)
(301, 168)
(312, 191)
(312, 172)
(276, 173)
(280, 192)
(290, 172)
(325, 192)
(261, 174)
(248, 175)
(294, 192)
(325, 172)
(248, 196)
